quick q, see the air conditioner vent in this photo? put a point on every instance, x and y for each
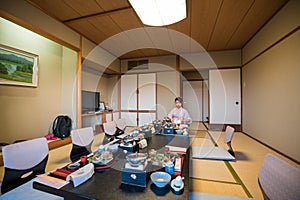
(137, 64)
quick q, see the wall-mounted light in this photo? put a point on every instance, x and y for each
(159, 12)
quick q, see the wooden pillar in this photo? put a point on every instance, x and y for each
(178, 79)
(78, 87)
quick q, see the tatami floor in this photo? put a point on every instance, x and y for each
(233, 178)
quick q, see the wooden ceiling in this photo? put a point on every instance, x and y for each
(214, 24)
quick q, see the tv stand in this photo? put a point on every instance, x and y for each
(96, 120)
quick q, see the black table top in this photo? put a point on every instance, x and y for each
(108, 184)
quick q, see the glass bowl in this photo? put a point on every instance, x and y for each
(135, 159)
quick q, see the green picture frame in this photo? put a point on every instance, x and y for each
(18, 67)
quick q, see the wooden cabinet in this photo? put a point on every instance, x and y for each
(96, 120)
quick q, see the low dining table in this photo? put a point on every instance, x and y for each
(107, 184)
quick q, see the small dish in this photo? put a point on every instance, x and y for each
(106, 155)
(102, 161)
(73, 166)
(176, 188)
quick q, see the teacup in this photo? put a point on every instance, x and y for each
(178, 181)
(83, 159)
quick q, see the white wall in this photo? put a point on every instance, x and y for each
(281, 24)
(210, 60)
(271, 82)
(68, 85)
(27, 112)
(36, 18)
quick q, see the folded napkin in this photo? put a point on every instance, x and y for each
(174, 149)
(80, 176)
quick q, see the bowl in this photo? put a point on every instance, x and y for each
(135, 159)
(160, 179)
(106, 155)
(179, 131)
(113, 147)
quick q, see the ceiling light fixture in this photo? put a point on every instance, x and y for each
(159, 12)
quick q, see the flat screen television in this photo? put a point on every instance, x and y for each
(90, 101)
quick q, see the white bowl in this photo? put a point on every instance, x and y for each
(160, 179)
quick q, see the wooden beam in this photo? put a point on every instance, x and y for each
(105, 13)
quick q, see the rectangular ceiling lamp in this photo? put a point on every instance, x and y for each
(159, 12)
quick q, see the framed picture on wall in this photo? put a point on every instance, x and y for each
(18, 67)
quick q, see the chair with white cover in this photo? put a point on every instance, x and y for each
(82, 140)
(228, 135)
(121, 126)
(23, 161)
(279, 179)
(110, 128)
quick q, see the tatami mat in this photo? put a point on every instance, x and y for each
(57, 159)
(197, 126)
(198, 133)
(214, 187)
(208, 196)
(202, 142)
(210, 170)
(215, 135)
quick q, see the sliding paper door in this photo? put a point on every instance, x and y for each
(192, 97)
(129, 98)
(225, 96)
(146, 98)
(138, 98)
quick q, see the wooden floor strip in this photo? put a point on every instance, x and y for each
(237, 179)
(218, 188)
(217, 181)
(233, 172)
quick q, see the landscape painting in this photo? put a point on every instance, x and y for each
(18, 67)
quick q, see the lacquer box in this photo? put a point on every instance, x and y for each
(130, 148)
(168, 130)
(134, 177)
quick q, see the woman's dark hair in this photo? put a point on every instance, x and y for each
(179, 99)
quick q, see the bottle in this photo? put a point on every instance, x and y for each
(169, 168)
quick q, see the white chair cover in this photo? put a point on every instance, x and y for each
(82, 136)
(279, 179)
(121, 123)
(110, 127)
(228, 134)
(25, 155)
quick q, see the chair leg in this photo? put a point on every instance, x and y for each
(230, 150)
